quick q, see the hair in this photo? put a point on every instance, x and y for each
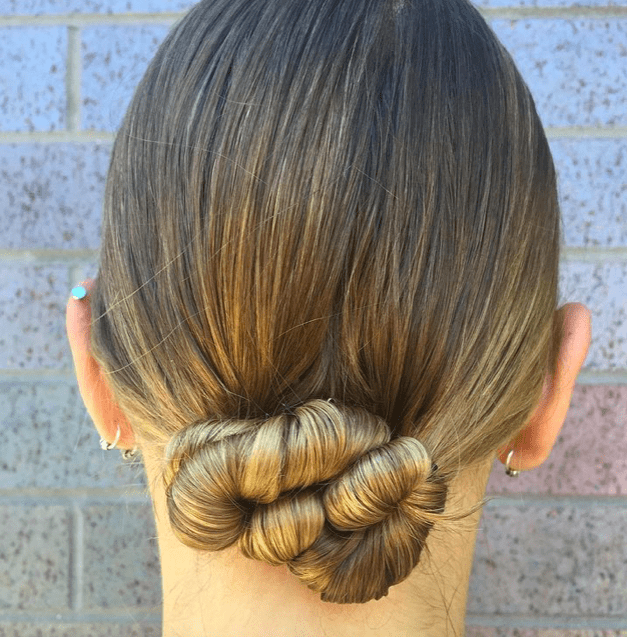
(328, 275)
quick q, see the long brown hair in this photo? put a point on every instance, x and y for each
(328, 275)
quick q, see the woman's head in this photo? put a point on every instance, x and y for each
(328, 275)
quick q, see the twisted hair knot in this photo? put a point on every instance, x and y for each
(315, 489)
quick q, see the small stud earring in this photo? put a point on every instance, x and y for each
(79, 292)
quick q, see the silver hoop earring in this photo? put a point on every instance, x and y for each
(126, 453)
(106, 445)
(508, 470)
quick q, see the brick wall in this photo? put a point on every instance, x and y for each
(77, 550)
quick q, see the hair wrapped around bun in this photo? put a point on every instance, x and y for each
(324, 490)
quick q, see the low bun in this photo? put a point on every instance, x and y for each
(324, 490)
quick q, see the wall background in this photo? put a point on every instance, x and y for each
(77, 549)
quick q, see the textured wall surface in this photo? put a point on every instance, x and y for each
(77, 550)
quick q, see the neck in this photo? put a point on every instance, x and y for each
(224, 594)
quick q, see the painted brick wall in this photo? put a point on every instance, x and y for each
(77, 550)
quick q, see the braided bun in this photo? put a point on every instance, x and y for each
(324, 490)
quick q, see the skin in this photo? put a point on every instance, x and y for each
(224, 594)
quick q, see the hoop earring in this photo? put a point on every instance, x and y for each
(508, 470)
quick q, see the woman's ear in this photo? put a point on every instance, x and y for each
(534, 443)
(97, 396)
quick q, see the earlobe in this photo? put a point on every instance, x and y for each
(97, 396)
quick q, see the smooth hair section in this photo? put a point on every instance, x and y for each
(328, 275)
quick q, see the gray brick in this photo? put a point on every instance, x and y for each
(32, 316)
(122, 566)
(48, 440)
(22, 629)
(52, 7)
(32, 78)
(550, 561)
(602, 288)
(576, 69)
(114, 61)
(35, 557)
(51, 194)
(593, 190)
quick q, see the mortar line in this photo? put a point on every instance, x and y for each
(73, 79)
(58, 137)
(39, 375)
(594, 254)
(544, 13)
(134, 615)
(72, 256)
(139, 495)
(535, 621)
(488, 13)
(586, 254)
(585, 132)
(114, 616)
(168, 18)
(76, 559)
(102, 136)
(585, 377)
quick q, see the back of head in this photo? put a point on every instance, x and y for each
(328, 275)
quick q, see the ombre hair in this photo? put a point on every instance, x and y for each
(328, 276)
